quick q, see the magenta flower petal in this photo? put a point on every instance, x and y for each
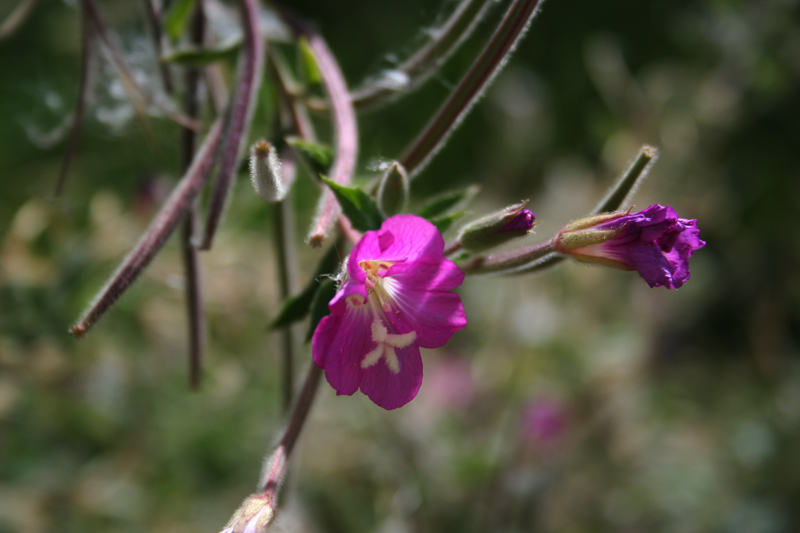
(339, 348)
(396, 299)
(434, 316)
(389, 390)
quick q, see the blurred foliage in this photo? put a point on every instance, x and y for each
(673, 411)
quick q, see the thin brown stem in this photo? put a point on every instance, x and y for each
(173, 210)
(472, 85)
(345, 129)
(241, 113)
(417, 69)
(80, 102)
(288, 285)
(191, 261)
(152, 12)
(16, 18)
(507, 261)
(276, 466)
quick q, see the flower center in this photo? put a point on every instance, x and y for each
(386, 343)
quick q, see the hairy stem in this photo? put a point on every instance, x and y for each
(276, 466)
(627, 184)
(507, 261)
(241, 113)
(471, 86)
(417, 69)
(173, 210)
(345, 129)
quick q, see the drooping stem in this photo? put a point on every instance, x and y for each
(191, 261)
(414, 71)
(471, 86)
(276, 466)
(171, 213)
(241, 112)
(345, 129)
(80, 102)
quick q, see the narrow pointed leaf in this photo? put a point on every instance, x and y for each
(296, 307)
(443, 223)
(319, 307)
(358, 206)
(442, 204)
(317, 156)
(177, 18)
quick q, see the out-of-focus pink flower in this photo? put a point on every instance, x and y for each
(450, 384)
(654, 242)
(396, 299)
(544, 422)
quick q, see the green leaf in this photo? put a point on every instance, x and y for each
(309, 63)
(358, 206)
(448, 201)
(296, 307)
(177, 18)
(317, 156)
(319, 307)
(443, 223)
(199, 57)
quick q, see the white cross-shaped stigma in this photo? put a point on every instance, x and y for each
(387, 342)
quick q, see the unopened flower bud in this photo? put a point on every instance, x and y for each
(654, 242)
(265, 172)
(254, 516)
(393, 190)
(512, 222)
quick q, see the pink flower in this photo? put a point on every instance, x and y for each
(395, 300)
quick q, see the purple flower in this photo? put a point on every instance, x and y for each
(523, 220)
(654, 242)
(396, 299)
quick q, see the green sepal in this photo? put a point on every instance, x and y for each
(297, 307)
(448, 201)
(177, 18)
(443, 223)
(358, 206)
(319, 306)
(318, 157)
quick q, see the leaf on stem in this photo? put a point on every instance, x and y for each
(296, 307)
(446, 202)
(316, 156)
(358, 206)
(177, 18)
(319, 306)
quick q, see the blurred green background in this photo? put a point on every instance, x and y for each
(578, 400)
